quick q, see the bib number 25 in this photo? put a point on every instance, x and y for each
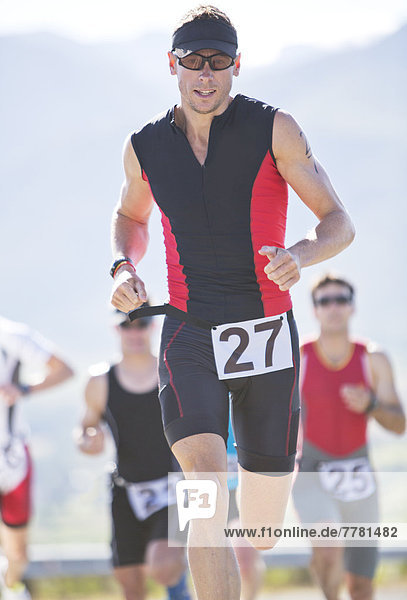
(252, 347)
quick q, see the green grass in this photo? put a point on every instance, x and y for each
(79, 588)
(106, 588)
(285, 577)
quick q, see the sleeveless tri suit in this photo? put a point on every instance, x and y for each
(215, 218)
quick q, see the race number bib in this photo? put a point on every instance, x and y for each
(347, 480)
(252, 347)
(148, 497)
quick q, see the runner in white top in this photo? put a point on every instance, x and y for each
(19, 345)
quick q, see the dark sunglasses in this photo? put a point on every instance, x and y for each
(141, 323)
(196, 62)
(327, 300)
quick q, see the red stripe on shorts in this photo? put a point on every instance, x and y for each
(181, 413)
(289, 410)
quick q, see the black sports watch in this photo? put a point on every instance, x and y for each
(373, 403)
(24, 389)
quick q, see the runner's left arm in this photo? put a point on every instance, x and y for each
(334, 232)
(383, 397)
(56, 371)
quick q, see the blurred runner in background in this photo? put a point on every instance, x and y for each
(19, 345)
(343, 383)
(125, 396)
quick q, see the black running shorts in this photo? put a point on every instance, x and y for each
(130, 536)
(265, 408)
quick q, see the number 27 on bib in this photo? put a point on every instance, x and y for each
(252, 347)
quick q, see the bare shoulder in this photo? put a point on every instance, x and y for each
(306, 344)
(292, 148)
(136, 198)
(380, 365)
(378, 358)
(96, 390)
(130, 160)
(100, 369)
(307, 340)
(286, 130)
(284, 121)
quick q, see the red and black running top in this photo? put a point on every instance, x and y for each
(218, 215)
(327, 423)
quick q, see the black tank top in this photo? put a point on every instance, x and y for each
(218, 215)
(135, 421)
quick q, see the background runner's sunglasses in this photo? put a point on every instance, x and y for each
(327, 300)
(196, 62)
(140, 323)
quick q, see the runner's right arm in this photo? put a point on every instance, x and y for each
(130, 232)
(89, 437)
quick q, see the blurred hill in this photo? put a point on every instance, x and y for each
(66, 109)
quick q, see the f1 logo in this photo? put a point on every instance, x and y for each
(196, 499)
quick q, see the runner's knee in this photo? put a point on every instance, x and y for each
(201, 453)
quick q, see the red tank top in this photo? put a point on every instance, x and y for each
(327, 423)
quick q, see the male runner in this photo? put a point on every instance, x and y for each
(125, 395)
(19, 345)
(343, 383)
(218, 169)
